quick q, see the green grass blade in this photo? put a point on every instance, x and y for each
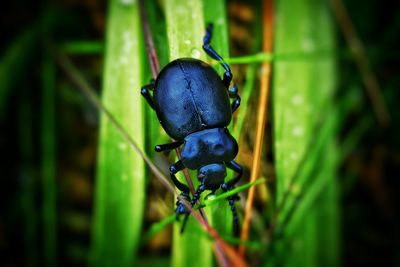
(215, 13)
(13, 63)
(185, 28)
(120, 185)
(28, 186)
(49, 163)
(157, 25)
(336, 118)
(299, 102)
(84, 47)
(158, 227)
(185, 31)
(223, 196)
(245, 95)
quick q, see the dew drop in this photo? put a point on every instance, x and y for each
(122, 146)
(195, 53)
(127, 2)
(295, 189)
(293, 155)
(297, 100)
(308, 44)
(210, 197)
(219, 21)
(298, 131)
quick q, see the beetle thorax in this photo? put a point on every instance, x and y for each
(207, 147)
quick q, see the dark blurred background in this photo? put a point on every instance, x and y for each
(369, 176)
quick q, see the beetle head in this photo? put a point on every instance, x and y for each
(212, 175)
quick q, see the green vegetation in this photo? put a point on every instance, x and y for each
(84, 187)
(120, 186)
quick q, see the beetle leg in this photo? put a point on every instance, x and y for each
(146, 93)
(213, 54)
(167, 147)
(229, 186)
(237, 168)
(233, 93)
(173, 169)
(180, 206)
(196, 197)
(184, 196)
(235, 216)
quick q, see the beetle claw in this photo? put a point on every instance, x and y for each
(180, 205)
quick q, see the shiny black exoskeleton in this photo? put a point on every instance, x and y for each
(192, 104)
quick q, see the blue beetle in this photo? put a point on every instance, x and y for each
(192, 104)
